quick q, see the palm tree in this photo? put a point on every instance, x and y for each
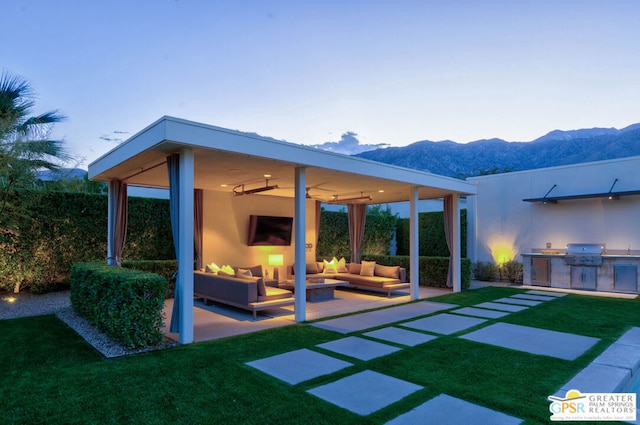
(25, 146)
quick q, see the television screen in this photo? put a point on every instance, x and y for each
(269, 230)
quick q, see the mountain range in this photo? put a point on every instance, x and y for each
(487, 156)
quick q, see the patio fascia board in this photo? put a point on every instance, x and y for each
(169, 130)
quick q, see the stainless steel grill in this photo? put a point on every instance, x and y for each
(584, 254)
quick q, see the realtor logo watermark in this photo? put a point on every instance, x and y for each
(577, 406)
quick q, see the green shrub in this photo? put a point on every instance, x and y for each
(126, 304)
(511, 271)
(485, 271)
(164, 268)
(432, 242)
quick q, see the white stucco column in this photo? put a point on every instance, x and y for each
(455, 239)
(414, 252)
(300, 248)
(186, 174)
(472, 228)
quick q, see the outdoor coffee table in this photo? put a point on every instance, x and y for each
(317, 291)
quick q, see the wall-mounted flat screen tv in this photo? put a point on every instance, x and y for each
(268, 230)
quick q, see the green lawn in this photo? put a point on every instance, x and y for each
(51, 375)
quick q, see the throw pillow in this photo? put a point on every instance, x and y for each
(392, 272)
(367, 268)
(330, 267)
(244, 273)
(342, 266)
(227, 271)
(354, 268)
(212, 268)
(320, 265)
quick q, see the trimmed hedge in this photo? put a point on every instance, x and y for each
(432, 241)
(59, 229)
(126, 304)
(433, 270)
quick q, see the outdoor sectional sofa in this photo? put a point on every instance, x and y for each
(248, 292)
(383, 278)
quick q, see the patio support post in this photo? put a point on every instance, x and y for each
(300, 249)
(455, 239)
(185, 260)
(414, 251)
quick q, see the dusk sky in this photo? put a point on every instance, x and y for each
(394, 72)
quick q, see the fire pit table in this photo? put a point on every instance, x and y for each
(317, 290)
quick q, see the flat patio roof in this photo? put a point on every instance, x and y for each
(225, 159)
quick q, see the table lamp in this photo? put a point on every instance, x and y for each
(276, 260)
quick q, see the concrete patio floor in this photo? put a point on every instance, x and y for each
(217, 321)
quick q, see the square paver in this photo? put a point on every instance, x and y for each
(533, 340)
(359, 348)
(548, 293)
(481, 312)
(298, 366)
(365, 392)
(401, 336)
(533, 297)
(444, 323)
(518, 301)
(502, 307)
(373, 319)
(445, 409)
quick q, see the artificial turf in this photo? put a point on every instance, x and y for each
(51, 375)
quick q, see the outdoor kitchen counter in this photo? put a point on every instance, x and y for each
(618, 272)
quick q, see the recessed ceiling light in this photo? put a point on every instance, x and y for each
(381, 191)
(224, 185)
(267, 175)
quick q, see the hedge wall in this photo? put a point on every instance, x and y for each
(61, 228)
(126, 304)
(433, 270)
(432, 242)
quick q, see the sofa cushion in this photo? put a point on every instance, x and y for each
(262, 289)
(354, 268)
(367, 268)
(274, 294)
(312, 268)
(392, 272)
(255, 270)
(342, 265)
(243, 273)
(320, 265)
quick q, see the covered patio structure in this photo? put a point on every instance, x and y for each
(218, 177)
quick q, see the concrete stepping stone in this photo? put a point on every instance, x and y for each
(533, 340)
(374, 319)
(298, 366)
(447, 410)
(502, 307)
(359, 348)
(400, 336)
(481, 312)
(533, 297)
(365, 392)
(518, 301)
(444, 323)
(548, 293)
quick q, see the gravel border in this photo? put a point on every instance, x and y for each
(26, 304)
(101, 341)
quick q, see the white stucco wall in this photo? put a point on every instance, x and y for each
(504, 226)
(226, 222)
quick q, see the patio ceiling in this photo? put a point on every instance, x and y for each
(225, 159)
